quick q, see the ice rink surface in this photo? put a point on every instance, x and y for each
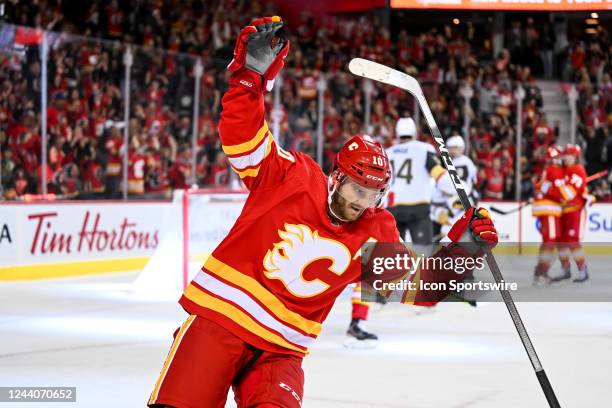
(90, 332)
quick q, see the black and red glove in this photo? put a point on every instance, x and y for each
(259, 54)
(475, 225)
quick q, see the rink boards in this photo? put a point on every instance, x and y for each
(75, 238)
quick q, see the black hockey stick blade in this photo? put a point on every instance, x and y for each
(519, 207)
(502, 212)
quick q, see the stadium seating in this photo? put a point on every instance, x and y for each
(85, 112)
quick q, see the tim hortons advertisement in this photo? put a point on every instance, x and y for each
(33, 234)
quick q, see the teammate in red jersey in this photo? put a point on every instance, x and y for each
(573, 216)
(261, 297)
(547, 206)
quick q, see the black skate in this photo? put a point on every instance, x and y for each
(380, 299)
(358, 337)
(567, 274)
(583, 275)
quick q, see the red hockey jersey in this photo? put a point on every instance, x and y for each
(274, 278)
(550, 192)
(575, 188)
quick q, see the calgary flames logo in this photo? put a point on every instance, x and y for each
(300, 246)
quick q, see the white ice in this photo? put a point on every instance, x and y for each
(89, 332)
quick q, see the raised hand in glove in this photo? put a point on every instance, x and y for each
(475, 225)
(259, 54)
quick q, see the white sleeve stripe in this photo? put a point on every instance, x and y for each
(253, 158)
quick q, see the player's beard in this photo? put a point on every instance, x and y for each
(342, 208)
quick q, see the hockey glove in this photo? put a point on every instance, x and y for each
(261, 50)
(589, 199)
(474, 226)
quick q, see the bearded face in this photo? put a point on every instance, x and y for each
(349, 200)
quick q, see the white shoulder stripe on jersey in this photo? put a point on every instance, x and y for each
(284, 153)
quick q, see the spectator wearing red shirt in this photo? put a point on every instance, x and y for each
(114, 20)
(137, 163)
(53, 169)
(19, 186)
(578, 58)
(494, 180)
(156, 181)
(219, 171)
(180, 172)
(114, 162)
(594, 113)
(155, 92)
(67, 182)
(505, 151)
(543, 134)
(93, 178)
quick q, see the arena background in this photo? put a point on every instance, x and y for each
(109, 112)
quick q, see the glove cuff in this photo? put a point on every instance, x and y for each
(457, 231)
(247, 79)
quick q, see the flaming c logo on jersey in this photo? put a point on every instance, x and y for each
(300, 246)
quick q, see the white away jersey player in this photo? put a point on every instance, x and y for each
(467, 172)
(413, 164)
(445, 200)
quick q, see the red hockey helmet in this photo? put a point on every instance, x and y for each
(365, 162)
(553, 153)
(572, 150)
(360, 180)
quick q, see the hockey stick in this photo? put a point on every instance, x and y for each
(386, 75)
(597, 175)
(505, 212)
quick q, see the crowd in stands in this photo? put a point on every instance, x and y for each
(591, 71)
(86, 96)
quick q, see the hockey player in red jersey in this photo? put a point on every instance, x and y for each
(261, 297)
(573, 216)
(547, 206)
